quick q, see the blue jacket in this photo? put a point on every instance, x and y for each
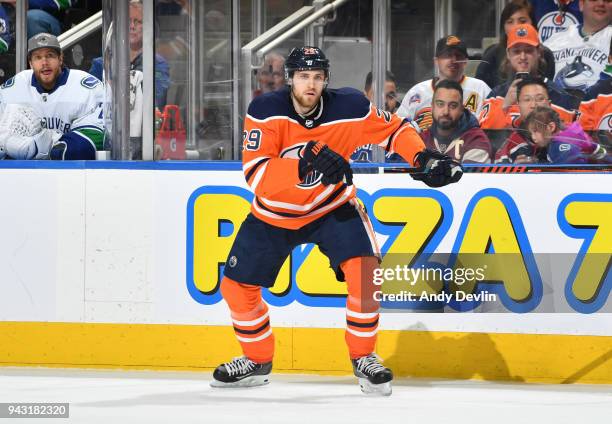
(162, 75)
(573, 146)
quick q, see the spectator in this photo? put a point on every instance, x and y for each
(501, 109)
(6, 37)
(581, 52)
(46, 16)
(365, 153)
(171, 44)
(271, 76)
(173, 7)
(451, 58)
(596, 107)
(569, 145)
(518, 147)
(554, 16)
(50, 111)
(162, 69)
(390, 89)
(493, 69)
(455, 131)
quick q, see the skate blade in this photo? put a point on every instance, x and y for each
(383, 389)
(253, 381)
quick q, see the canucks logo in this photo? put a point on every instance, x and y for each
(8, 83)
(575, 76)
(90, 82)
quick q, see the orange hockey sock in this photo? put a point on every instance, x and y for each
(361, 308)
(250, 319)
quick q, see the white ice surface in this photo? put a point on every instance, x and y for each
(116, 397)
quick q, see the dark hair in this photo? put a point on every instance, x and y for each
(449, 85)
(505, 69)
(510, 9)
(542, 116)
(531, 81)
(388, 77)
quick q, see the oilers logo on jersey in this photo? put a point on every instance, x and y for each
(295, 152)
(555, 22)
(346, 120)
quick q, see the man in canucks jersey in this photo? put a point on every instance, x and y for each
(50, 111)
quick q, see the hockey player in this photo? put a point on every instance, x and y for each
(296, 142)
(455, 130)
(451, 59)
(581, 52)
(50, 111)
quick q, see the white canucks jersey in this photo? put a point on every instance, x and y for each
(416, 105)
(73, 108)
(579, 59)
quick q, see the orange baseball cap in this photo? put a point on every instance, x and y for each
(523, 33)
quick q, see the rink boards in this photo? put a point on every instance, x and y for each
(114, 264)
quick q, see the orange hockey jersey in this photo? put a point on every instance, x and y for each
(493, 116)
(274, 136)
(596, 107)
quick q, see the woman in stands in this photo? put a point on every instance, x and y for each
(494, 68)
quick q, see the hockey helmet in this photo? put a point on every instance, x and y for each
(305, 58)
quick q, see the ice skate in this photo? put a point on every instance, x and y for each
(241, 372)
(374, 378)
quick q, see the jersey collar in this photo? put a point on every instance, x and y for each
(585, 36)
(61, 80)
(313, 119)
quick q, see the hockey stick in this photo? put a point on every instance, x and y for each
(515, 169)
(404, 168)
